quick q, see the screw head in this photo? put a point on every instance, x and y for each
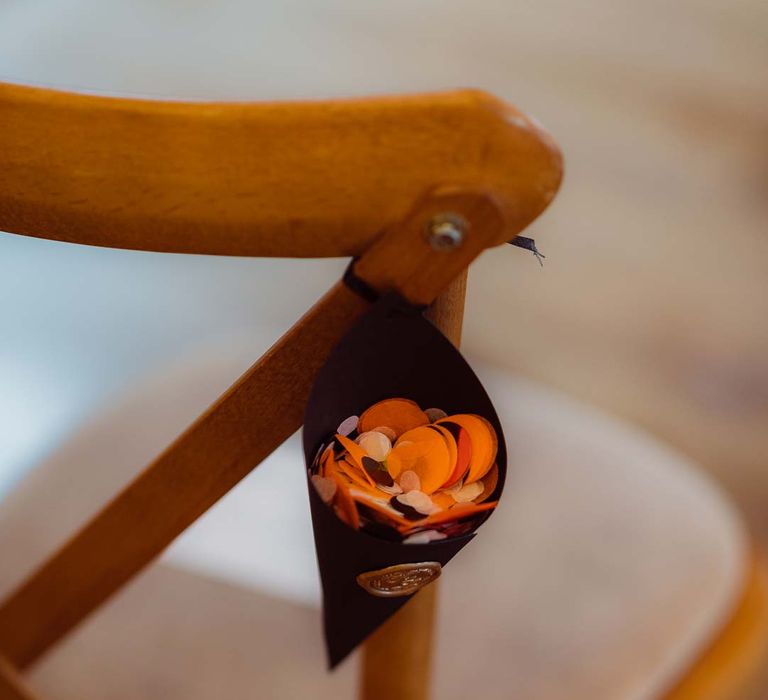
(446, 231)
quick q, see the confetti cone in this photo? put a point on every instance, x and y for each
(392, 363)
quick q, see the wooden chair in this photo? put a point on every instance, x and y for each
(366, 178)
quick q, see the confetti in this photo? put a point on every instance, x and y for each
(348, 425)
(483, 440)
(384, 430)
(409, 481)
(408, 474)
(424, 451)
(376, 444)
(378, 472)
(435, 414)
(399, 415)
(325, 487)
(418, 500)
(463, 453)
(490, 481)
(468, 492)
(424, 537)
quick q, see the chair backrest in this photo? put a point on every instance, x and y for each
(293, 179)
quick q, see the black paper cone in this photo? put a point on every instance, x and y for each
(393, 351)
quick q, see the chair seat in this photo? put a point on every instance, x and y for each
(609, 565)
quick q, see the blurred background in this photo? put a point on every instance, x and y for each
(653, 302)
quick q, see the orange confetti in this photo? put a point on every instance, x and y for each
(484, 443)
(459, 511)
(450, 443)
(345, 506)
(463, 456)
(425, 452)
(357, 476)
(394, 464)
(394, 468)
(399, 415)
(356, 452)
(443, 500)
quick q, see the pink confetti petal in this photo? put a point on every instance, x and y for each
(409, 481)
(391, 434)
(348, 425)
(326, 488)
(419, 501)
(435, 414)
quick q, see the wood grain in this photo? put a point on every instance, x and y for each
(414, 274)
(262, 409)
(294, 179)
(397, 657)
(12, 686)
(405, 641)
(447, 311)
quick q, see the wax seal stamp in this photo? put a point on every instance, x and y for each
(399, 580)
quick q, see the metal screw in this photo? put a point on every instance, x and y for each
(446, 231)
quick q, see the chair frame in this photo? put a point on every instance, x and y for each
(365, 178)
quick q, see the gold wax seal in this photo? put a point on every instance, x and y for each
(399, 580)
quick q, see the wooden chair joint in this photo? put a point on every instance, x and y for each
(409, 258)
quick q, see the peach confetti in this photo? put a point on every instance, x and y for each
(376, 445)
(326, 488)
(409, 481)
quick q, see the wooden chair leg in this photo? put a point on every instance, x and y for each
(12, 686)
(397, 658)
